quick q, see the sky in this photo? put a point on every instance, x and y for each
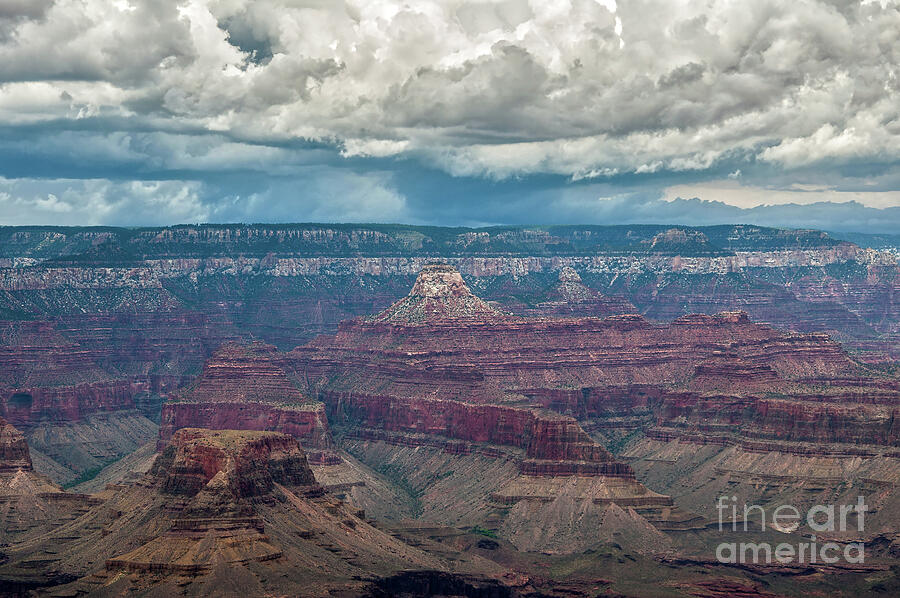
(155, 112)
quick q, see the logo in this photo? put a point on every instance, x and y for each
(787, 519)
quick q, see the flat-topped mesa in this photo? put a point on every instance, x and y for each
(242, 374)
(243, 388)
(14, 454)
(244, 463)
(439, 295)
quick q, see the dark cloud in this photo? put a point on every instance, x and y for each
(450, 111)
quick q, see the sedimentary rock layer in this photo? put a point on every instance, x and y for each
(14, 453)
(243, 388)
(233, 510)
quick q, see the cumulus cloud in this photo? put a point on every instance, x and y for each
(325, 195)
(93, 201)
(446, 74)
(492, 89)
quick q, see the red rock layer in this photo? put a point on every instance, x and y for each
(543, 436)
(308, 422)
(712, 376)
(36, 354)
(252, 462)
(846, 411)
(798, 419)
(580, 352)
(28, 406)
(45, 376)
(243, 388)
(724, 371)
(172, 341)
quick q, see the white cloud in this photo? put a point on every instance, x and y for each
(320, 194)
(378, 148)
(493, 88)
(98, 201)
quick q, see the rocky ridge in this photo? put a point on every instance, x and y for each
(223, 512)
(30, 504)
(370, 376)
(242, 387)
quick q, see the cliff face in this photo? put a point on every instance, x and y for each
(223, 512)
(14, 453)
(243, 388)
(47, 376)
(75, 408)
(251, 463)
(542, 436)
(450, 381)
(831, 419)
(165, 340)
(707, 375)
(37, 354)
(32, 405)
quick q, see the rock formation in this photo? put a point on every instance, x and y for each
(439, 295)
(243, 388)
(29, 502)
(570, 297)
(228, 511)
(448, 381)
(220, 474)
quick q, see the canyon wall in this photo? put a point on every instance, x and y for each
(106, 320)
(14, 453)
(721, 378)
(242, 387)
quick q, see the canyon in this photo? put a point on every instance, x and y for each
(485, 403)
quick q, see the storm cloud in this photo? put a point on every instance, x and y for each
(446, 112)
